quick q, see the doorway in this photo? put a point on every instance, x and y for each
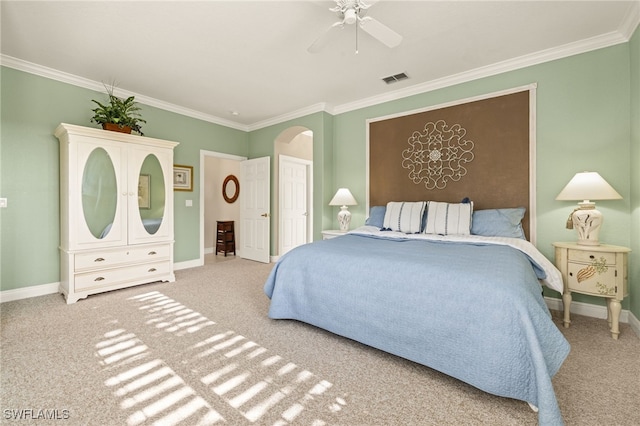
(215, 167)
(293, 151)
(296, 142)
(296, 191)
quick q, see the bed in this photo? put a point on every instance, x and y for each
(450, 282)
(450, 303)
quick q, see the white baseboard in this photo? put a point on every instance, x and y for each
(187, 264)
(635, 324)
(595, 311)
(27, 292)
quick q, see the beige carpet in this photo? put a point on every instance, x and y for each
(202, 351)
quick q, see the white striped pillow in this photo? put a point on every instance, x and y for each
(404, 216)
(448, 218)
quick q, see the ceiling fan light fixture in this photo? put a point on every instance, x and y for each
(350, 16)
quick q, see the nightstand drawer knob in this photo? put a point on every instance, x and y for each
(592, 257)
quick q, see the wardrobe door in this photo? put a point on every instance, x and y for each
(149, 195)
(101, 205)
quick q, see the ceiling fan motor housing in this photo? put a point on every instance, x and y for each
(350, 16)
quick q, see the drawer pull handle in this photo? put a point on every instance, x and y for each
(151, 253)
(99, 279)
(592, 257)
(100, 259)
(152, 270)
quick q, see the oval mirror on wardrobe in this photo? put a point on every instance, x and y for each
(99, 193)
(151, 194)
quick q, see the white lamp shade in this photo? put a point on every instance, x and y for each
(343, 198)
(586, 219)
(588, 186)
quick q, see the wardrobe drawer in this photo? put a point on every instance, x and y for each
(108, 277)
(149, 253)
(108, 258)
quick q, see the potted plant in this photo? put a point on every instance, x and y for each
(120, 115)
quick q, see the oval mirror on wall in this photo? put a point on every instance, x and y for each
(151, 194)
(230, 189)
(99, 193)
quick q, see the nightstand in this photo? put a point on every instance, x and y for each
(599, 271)
(331, 233)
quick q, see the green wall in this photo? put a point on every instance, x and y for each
(585, 105)
(634, 262)
(32, 107)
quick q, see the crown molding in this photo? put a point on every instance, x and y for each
(631, 21)
(64, 77)
(570, 49)
(624, 34)
(312, 109)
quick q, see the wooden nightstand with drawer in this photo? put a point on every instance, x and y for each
(599, 271)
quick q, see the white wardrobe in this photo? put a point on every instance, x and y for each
(116, 210)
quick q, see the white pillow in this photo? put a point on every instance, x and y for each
(448, 218)
(404, 216)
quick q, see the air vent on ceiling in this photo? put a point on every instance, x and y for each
(395, 78)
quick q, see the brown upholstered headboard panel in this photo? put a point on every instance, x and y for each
(479, 149)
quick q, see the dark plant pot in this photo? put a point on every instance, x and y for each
(115, 128)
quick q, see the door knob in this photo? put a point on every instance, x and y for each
(265, 215)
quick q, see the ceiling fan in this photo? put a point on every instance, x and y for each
(352, 12)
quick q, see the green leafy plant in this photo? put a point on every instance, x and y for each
(119, 111)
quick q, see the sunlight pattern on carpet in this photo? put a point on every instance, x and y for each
(210, 375)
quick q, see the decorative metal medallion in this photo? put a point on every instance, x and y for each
(437, 155)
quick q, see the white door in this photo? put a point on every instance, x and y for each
(255, 182)
(295, 210)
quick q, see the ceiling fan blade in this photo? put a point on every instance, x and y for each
(378, 30)
(323, 39)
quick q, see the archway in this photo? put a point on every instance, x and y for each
(293, 157)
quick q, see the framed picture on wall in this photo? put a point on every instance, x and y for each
(182, 178)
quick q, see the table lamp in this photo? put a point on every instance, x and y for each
(587, 186)
(343, 198)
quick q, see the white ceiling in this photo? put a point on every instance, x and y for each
(208, 59)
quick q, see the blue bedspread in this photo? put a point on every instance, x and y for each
(471, 311)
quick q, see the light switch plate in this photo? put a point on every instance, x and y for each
(188, 203)
(3, 203)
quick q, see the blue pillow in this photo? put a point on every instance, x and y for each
(376, 216)
(498, 222)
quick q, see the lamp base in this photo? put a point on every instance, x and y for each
(344, 218)
(587, 221)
